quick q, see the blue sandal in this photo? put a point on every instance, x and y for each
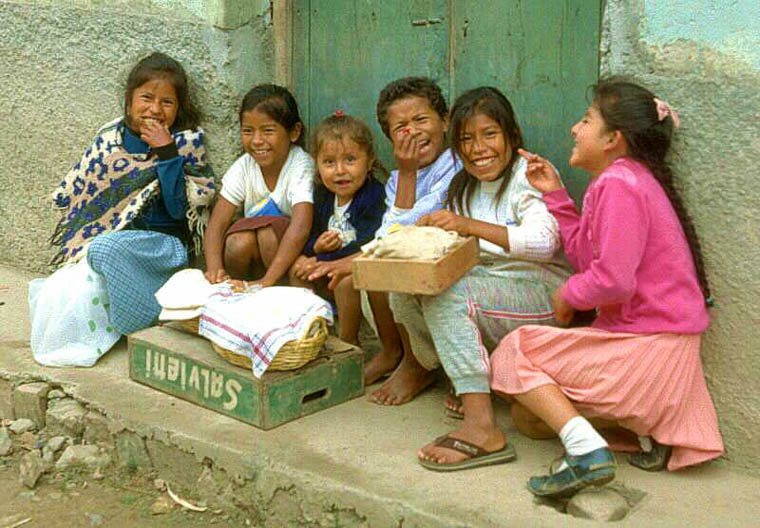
(596, 468)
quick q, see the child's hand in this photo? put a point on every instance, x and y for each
(540, 173)
(327, 242)
(303, 266)
(446, 220)
(407, 151)
(563, 312)
(335, 271)
(155, 134)
(216, 276)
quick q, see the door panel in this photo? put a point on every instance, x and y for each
(542, 55)
(346, 51)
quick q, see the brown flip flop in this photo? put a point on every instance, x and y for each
(478, 457)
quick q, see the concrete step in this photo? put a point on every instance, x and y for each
(349, 465)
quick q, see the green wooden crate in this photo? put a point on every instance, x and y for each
(186, 366)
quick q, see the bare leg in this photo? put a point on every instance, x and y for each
(479, 427)
(349, 310)
(407, 381)
(240, 252)
(549, 405)
(529, 424)
(268, 244)
(390, 354)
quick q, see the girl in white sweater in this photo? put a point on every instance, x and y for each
(520, 265)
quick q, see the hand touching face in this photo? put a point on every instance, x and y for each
(417, 132)
(152, 111)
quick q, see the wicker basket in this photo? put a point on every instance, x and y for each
(293, 354)
(190, 325)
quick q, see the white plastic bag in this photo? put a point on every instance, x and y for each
(69, 316)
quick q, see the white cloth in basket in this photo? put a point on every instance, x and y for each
(257, 325)
(184, 294)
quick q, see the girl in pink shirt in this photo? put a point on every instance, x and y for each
(639, 264)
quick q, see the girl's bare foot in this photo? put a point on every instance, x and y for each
(406, 382)
(380, 365)
(454, 405)
(479, 428)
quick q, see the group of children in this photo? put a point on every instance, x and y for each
(285, 215)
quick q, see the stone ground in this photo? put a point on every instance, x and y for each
(75, 500)
(352, 465)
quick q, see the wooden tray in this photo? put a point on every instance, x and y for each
(423, 277)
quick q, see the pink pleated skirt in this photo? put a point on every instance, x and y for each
(651, 384)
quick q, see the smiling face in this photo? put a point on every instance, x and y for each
(267, 141)
(343, 165)
(414, 115)
(155, 100)
(484, 148)
(592, 141)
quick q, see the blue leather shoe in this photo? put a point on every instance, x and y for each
(654, 460)
(596, 468)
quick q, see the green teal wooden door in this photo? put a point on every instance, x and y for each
(542, 54)
(345, 51)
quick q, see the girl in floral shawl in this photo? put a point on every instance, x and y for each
(139, 196)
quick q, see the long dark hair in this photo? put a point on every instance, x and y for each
(488, 101)
(276, 102)
(632, 110)
(158, 65)
(338, 126)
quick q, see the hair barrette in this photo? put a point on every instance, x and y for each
(664, 110)
(338, 113)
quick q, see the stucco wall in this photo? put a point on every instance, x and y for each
(61, 76)
(703, 57)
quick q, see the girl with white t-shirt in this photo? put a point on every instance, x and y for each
(272, 185)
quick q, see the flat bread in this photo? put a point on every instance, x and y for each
(415, 242)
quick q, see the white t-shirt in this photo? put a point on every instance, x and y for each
(243, 184)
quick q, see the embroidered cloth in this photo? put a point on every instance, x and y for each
(258, 324)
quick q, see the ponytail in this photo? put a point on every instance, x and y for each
(647, 125)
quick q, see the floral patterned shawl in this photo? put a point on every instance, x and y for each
(109, 187)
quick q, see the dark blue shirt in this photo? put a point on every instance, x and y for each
(365, 214)
(166, 212)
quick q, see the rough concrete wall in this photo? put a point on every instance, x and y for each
(703, 57)
(61, 78)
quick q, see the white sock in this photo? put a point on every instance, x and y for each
(579, 437)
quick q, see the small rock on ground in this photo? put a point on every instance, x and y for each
(95, 518)
(56, 443)
(31, 468)
(56, 394)
(86, 455)
(6, 445)
(66, 416)
(22, 426)
(598, 504)
(162, 505)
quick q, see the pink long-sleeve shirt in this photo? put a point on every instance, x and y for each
(631, 254)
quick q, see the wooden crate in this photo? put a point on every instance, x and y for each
(425, 277)
(186, 366)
